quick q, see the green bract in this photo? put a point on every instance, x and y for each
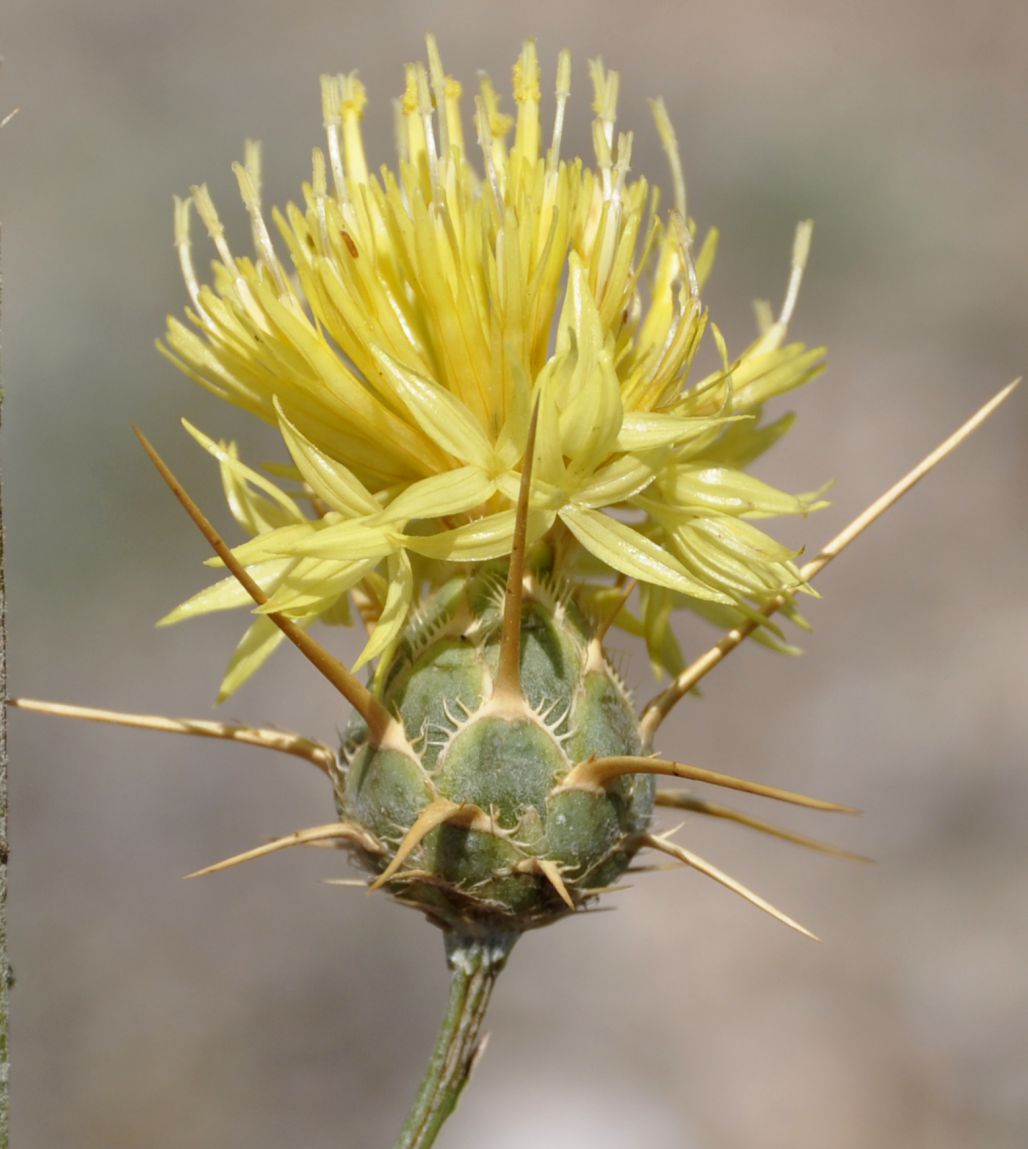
(514, 849)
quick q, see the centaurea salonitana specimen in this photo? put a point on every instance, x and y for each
(497, 451)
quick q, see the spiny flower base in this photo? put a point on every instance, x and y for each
(476, 826)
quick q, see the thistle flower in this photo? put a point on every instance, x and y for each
(483, 379)
(425, 310)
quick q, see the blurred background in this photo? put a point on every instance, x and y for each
(262, 1008)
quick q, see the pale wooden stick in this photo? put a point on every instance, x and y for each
(435, 814)
(598, 773)
(659, 707)
(679, 800)
(551, 872)
(711, 871)
(622, 598)
(314, 835)
(381, 724)
(283, 740)
(507, 685)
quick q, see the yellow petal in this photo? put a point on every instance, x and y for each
(254, 649)
(394, 611)
(487, 538)
(348, 541)
(327, 477)
(646, 430)
(588, 391)
(313, 585)
(227, 593)
(273, 544)
(615, 483)
(443, 416)
(626, 550)
(451, 493)
(731, 492)
(757, 378)
(228, 459)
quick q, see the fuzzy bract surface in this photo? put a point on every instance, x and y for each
(517, 849)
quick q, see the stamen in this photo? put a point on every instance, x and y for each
(610, 227)
(215, 229)
(425, 112)
(452, 119)
(437, 78)
(252, 163)
(603, 158)
(526, 96)
(319, 186)
(764, 316)
(208, 214)
(563, 92)
(669, 142)
(485, 143)
(354, 99)
(605, 98)
(400, 134)
(412, 126)
(331, 114)
(494, 128)
(682, 237)
(249, 190)
(622, 165)
(800, 254)
(184, 244)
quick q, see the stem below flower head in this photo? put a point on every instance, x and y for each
(475, 963)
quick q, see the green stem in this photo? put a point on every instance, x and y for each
(475, 963)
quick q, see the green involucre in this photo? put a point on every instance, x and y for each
(507, 765)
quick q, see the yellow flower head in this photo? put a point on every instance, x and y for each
(423, 313)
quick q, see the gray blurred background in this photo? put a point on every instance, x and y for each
(261, 1008)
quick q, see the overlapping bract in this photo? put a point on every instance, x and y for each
(423, 314)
